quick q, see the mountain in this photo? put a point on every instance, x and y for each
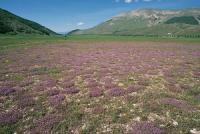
(150, 22)
(73, 31)
(10, 23)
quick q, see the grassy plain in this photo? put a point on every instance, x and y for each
(17, 41)
(99, 84)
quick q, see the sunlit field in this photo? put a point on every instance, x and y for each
(99, 84)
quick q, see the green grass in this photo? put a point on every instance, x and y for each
(102, 38)
(23, 41)
(7, 130)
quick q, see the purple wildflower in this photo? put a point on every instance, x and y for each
(49, 83)
(10, 117)
(134, 88)
(46, 124)
(56, 100)
(109, 85)
(26, 101)
(196, 74)
(143, 82)
(116, 92)
(183, 105)
(92, 84)
(26, 83)
(69, 84)
(96, 92)
(145, 128)
(53, 92)
(6, 90)
(72, 90)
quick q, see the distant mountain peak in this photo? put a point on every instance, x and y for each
(146, 12)
(149, 21)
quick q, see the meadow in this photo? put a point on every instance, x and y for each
(23, 41)
(99, 84)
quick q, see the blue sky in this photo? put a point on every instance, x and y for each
(66, 15)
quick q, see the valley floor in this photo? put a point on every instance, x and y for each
(105, 87)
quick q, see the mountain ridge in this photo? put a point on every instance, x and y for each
(13, 24)
(150, 22)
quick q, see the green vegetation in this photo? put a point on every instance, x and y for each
(7, 130)
(24, 41)
(10, 23)
(107, 38)
(198, 17)
(4, 28)
(184, 20)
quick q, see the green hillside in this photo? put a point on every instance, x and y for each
(184, 20)
(149, 22)
(10, 23)
(74, 31)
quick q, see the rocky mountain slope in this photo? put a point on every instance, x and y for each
(150, 22)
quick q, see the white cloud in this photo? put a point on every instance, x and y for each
(147, 0)
(128, 1)
(80, 23)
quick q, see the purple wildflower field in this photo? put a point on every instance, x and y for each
(107, 87)
(145, 128)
